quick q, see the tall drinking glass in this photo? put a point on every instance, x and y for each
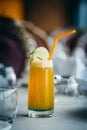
(41, 89)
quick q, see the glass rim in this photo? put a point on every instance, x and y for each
(36, 61)
(42, 63)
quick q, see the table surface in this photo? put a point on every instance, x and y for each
(70, 113)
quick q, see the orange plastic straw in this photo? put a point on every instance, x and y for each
(56, 39)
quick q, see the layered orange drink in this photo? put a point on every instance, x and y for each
(41, 87)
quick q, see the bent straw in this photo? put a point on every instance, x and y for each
(56, 39)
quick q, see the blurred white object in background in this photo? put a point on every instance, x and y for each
(66, 85)
(72, 87)
(7, 76)
(64, 67)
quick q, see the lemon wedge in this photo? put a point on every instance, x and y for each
(40, 53)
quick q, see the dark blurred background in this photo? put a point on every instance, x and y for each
(47, 14)
(40, 19)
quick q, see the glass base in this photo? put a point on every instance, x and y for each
(9, 119)
(36, 114)
(4, 125)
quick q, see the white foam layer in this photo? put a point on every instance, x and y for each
(42, 64)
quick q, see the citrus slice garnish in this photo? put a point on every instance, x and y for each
(40, 53)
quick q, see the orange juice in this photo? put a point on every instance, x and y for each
(41, 86)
